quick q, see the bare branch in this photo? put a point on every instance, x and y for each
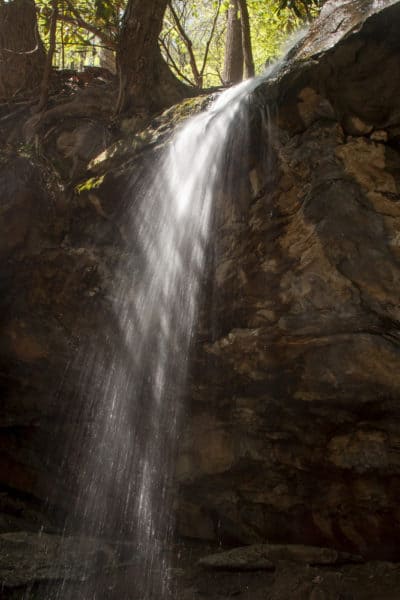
(207, 49)
(173, 64)
(189, 45)
(79, 21)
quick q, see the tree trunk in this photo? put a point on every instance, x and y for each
(146, 83)
(249, 69)
(233, 65)
(45, 85)
(22, 55)
(107, 60)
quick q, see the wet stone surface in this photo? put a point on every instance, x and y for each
(290, 580)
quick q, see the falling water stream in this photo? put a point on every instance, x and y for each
(134, 386)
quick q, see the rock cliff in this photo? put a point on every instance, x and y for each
(293, 434)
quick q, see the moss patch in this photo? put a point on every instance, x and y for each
(89, 184)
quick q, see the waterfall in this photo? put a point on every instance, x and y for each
(134, 381)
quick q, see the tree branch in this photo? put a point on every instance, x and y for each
(173, 64)
(78, 21)
(207, 49)
(189, 45)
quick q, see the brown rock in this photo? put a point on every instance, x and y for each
(265, 556)
(304, 366)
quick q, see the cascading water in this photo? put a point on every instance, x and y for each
(125, 455)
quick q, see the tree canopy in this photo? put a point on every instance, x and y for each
(192, 40)
(161, 50)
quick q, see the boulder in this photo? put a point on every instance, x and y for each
(259, 557)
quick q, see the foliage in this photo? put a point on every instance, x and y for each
(303, 9)
(90, 184)
(193, 37)
(195, 27)
(84, 27)
(271, 24)
(271, 27)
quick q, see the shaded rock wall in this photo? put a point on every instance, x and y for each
(298, 439)
(291, 432)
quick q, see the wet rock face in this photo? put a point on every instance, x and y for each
(297, 440)
(57, 254)
(292, 427)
